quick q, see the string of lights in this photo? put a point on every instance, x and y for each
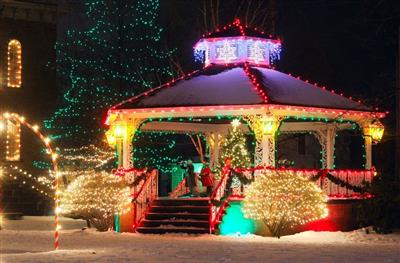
(53, 156)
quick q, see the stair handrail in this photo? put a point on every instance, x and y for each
(142, 199)
(218, 193)
(180, 189)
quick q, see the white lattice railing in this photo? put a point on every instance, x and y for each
(144, 196)
(334, 191)
(180, 189)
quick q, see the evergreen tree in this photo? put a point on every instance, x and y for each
(235, 148)
(115, 57)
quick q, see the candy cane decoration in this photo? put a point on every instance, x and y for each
(54, 156)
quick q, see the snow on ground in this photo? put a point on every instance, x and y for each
(31, 239)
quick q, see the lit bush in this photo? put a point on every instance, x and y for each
(283, 199)
(96, 197)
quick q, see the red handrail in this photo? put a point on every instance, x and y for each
(143, 198)
(219, 191)
(180, 189)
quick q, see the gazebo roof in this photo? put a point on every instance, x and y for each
(240, 85)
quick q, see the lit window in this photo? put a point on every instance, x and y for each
(14, 64)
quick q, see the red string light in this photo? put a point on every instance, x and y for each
(255, 83)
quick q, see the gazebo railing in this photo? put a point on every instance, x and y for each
(180, 189)
(340, 184)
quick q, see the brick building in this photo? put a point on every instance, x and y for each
(28, 32)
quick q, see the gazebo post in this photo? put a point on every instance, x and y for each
(264, 127)
(373, 132)
(330, 148)
(214, 141)
(326, 138)
(121, 134)
(368, 151)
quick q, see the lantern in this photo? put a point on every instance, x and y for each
(115, 133)
(376, 132)
(269, 125)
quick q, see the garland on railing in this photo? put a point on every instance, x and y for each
(228, 189)
(325, 173)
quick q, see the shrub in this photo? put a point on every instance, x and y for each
(96, 197)
(283, 199)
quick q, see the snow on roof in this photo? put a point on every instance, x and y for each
(230, 85)
(213, 86)
(287, 90)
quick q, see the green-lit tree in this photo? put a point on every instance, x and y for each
(234, 147)
(116, 56)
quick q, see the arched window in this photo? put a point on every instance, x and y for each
(14, 70)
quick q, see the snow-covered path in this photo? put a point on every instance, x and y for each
(30, 240)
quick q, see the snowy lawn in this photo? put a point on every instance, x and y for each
(31, 239)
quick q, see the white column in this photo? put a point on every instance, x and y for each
(326, 138)
(264, 127)
(120, 152)
(268, 150)
(127, 152)
(330, 148)
(214, 141)
(368, 151)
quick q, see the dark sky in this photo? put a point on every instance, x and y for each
(349, 46)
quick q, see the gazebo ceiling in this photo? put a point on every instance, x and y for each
(232, 85)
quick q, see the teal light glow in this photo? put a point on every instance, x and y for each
(117, 226)
(234, 221)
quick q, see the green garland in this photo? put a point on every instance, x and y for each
(340, 182)
(228, 190)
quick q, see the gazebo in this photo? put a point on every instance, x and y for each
(238, 80)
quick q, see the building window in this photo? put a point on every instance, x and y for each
(14, 69)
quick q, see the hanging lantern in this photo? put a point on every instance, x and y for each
(111, 140)
(376, 132)
(119, 131)
(116, 132)
(269, 125)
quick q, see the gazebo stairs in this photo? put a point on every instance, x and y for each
(178, 215)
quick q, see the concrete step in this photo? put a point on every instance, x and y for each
(194, 209)
(176, 223)
(193, 216)
(166, 229)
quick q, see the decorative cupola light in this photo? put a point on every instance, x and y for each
(236, 43)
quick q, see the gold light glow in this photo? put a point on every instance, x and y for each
(269, 125)
(375, 131)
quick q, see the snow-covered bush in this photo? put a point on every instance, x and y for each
(284, 199)
(96, 197)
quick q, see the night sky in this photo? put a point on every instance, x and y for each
(349, 46)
